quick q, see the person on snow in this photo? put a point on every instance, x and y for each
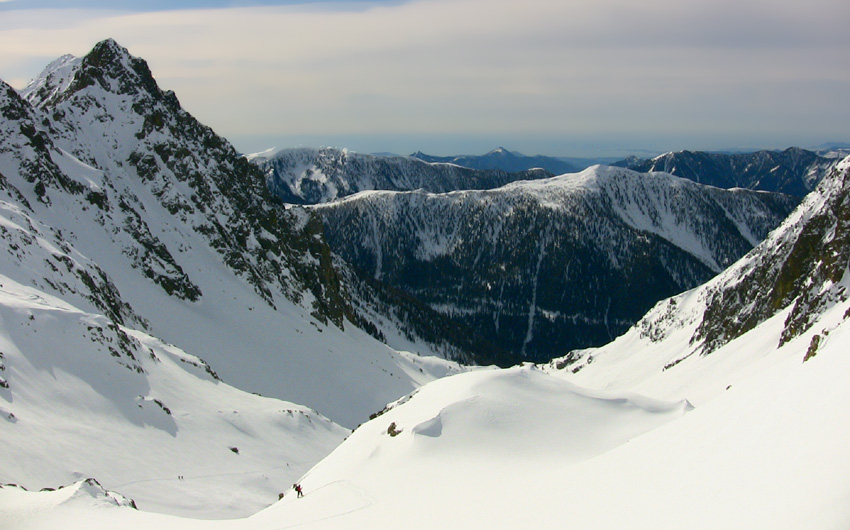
(297, 488)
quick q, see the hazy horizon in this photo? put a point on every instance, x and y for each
(580, 78)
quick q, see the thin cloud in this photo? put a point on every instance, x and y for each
(167, 5)
(475, 67)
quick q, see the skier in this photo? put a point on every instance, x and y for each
(297, 488)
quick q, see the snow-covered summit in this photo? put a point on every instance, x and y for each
(108, 65)
(120, 201)
(54, 79)
(500, 151)
(133, 234)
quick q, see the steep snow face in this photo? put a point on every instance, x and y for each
(117, 200)
(777, 294)
(39, 252)
(145, 162)
(54, 80)
(552, 264)
(82, 397)
(312, 176)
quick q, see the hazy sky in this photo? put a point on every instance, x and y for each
(570, 77)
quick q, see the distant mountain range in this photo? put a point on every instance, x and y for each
(417, 227)
(793, 171)
(501, 158)
(312, 176)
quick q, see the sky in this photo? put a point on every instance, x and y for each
(560, 78)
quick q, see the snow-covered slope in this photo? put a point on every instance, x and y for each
(515, 450)
(520, 449)
(311, 176)
(118, 201)
(765, 447)
(82, 397)
(791, 288)
(552, 264)
(760, 352)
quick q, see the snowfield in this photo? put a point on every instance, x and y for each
(724, 407)
(86, 398)
(522, 449)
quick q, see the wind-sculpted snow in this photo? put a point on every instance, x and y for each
(313, 176)
(552, 264)
(481, 435)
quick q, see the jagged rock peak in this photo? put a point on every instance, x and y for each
(108, 66)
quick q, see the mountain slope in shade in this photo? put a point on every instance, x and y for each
(552, 264)
(81, 397)
(793, 171)
(312, 176)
